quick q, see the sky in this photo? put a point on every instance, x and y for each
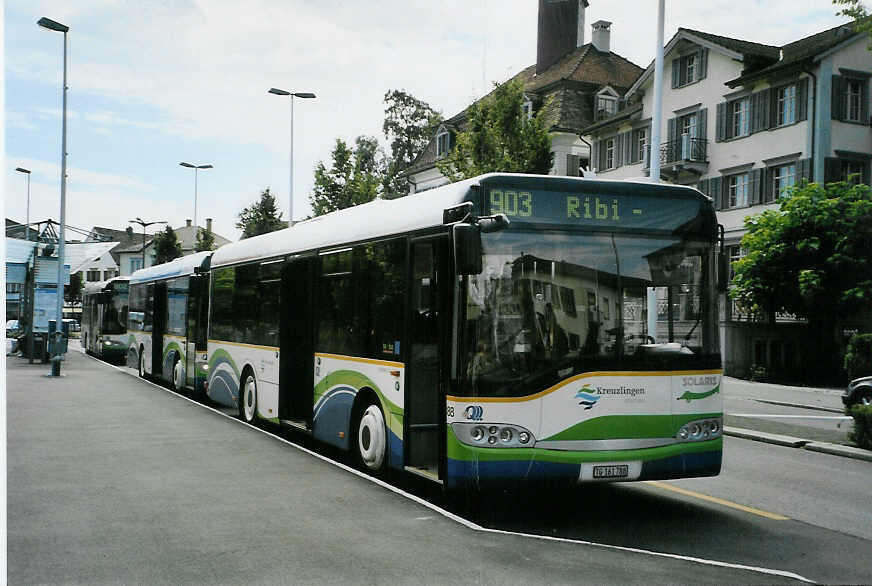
(153, 83)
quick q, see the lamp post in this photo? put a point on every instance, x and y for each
(307, 95)
(52, 25)
(27, 224)
(144, 225)
(196, 169)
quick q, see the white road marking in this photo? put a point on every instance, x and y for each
(460, 520)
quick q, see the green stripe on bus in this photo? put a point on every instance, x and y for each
(628, 427)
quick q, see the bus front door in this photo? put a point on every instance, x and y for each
(425, 394)
(160, 326)
(296, 376)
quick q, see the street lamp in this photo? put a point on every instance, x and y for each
(307, 95)
(196, 168)
(52, 25)
(27, 224)
(144, 225)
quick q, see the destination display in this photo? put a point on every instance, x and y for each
(594, 210)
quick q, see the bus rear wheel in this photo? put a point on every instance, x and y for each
(178, 383)
(248, 398)
(371, 439)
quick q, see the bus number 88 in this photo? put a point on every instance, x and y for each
(511, 203)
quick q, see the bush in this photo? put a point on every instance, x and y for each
(862, 433)
(759, 374)
(858, 358)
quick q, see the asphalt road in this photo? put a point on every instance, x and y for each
(111, 479)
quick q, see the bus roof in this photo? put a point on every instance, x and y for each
(97, 286)
(382, 218)
(178, 267)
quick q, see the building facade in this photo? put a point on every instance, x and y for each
(742, 122)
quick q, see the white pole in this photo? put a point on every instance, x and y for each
(27, 226)
(56, 365)
(195, 199)
(654, 156)
(291, 185)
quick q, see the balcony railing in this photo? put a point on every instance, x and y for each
(684, 149)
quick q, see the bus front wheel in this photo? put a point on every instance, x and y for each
(371, 439)
(141, 362)
(178, 383)
(248, 398)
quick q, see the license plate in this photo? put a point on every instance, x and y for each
(614, 471)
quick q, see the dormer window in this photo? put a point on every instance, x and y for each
(527, 108)
(606, 105)
(443, 142)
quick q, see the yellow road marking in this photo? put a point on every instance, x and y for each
(712, 499)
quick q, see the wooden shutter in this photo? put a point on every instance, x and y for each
(628, 147)
(837, 103)
(675, 68)
(773, 107)
(803, 170)
(702, 124)
(768, 188)
(802, 99)
(864, 105)
(756, 176)
(832, 169)
(716, 191)
(721, 122)
(572, 162)
(594, 155)
(703, 63)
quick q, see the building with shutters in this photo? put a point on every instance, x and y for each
(576, 83)
(743, 121)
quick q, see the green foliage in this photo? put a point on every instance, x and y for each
(166, 246)
(856, 10)
(500, 137)
(73, 291)
(810, 257)
(862, 432)
(408, 126)
(858, 358)
(261, 217)
(205, 240)
(355, 176)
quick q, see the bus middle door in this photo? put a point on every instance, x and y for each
(160, 327)
(425, 390)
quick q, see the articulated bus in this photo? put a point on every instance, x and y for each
(167, 321)
(506, 327)
(104, 318)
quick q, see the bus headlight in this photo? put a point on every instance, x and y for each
(701, 430)
(502, 435)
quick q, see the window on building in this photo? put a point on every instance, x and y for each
(735, 253)
(135, 264)
(527, 109)
(786, 105)
(13, 287)
(92, 275)
(641, 144)
(689, 68)
(108, 274)
(606, 106)
(853, 171)
(443, 142)
(853, 100)
(610, 153)
(783, 176)
(738, 188)
(740, 111)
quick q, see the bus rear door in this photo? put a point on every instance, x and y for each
(296, 376)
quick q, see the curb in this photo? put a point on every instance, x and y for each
(795, 442)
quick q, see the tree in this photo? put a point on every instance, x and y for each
(856, 10)
(73, 292)
(810, 258)
(205, 240)
(261, 217)
(408, 126)
(500, 137)
(355, 176)
(166, 246)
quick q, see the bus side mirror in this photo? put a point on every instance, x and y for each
(467, 249)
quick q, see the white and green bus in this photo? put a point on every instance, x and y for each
(167, 322)
(104, 318)
(506, 327)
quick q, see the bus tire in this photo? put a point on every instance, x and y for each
(177, 382)
(370, 439)
(141, 362)
(248, 398)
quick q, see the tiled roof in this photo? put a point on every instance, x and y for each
(747, 48)
(569, 84)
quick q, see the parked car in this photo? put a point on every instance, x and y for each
(13, 330)
(859, 392)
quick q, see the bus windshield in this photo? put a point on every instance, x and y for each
(115, 316)
(551, 304)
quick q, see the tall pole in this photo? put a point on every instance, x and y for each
(56, 364)
(196, 168)
(654, 156)
(144, 224)
(291, 165)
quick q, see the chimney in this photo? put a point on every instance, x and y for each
(187, 223)
(208, 224)
(601, 38)
(560, 30)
